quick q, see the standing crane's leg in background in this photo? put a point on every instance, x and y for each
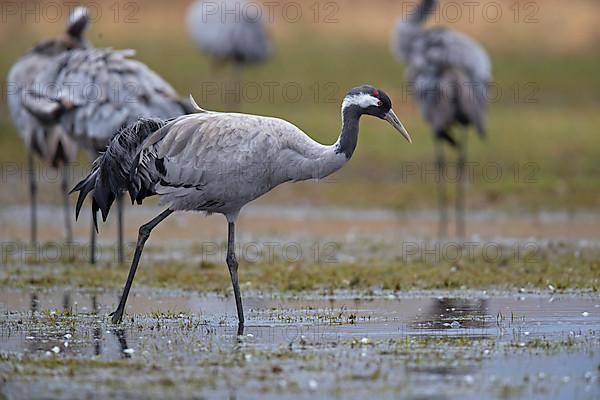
(120, 250)
(32, 194)
(236, 105)
(93, 244)
(144, 234)
(67, 304)
(440, 165)
(461, 227)
(92, 155)
(233, 271)
(65, 190)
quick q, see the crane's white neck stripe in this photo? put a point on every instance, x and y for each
(362, 100)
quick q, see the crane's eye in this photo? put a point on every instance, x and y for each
(379, 103)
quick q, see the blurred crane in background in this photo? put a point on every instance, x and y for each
(47, 142)
(230, 32)
(175, 160)
(449, 72)
(96, 92)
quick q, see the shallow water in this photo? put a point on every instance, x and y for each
(418, 344)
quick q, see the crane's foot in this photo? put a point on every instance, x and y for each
(117, 316)
(240, 331)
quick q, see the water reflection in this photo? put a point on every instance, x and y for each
(121, 337)
(40, 321)
(35, 302)
(97, 334)
(455, 313)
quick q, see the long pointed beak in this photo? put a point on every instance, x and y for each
(395, 122)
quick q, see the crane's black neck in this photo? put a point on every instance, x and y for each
(349, 136)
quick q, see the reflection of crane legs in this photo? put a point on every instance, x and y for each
(461, 228)
(440, 165)
(120, 334)
(97, 333)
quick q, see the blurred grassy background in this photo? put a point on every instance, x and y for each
(558, 131)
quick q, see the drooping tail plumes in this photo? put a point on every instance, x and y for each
(113, 173)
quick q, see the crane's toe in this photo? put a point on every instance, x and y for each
(117, 316)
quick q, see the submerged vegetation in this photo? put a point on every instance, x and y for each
(171, 354)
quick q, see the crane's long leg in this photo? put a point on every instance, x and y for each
(440, 164)
(120, 251)
(93, 243)
(461, 228)
(32, 194)
(144, 234)
(65, 191)
(233, 269)
(67, 305)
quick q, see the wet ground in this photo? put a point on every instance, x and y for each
(349, 345)
(539, 342)
(273, 222)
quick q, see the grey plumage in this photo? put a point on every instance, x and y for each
(450, 74)
(95, 92)
(218, 162)
(191, 161)
(449, 71)
(229, 30)
(112, 173)
(49, 142)
(92, 93)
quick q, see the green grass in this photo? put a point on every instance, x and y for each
(558, 267)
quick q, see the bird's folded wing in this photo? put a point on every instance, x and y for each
(193, 148)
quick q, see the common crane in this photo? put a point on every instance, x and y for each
(50, 143)
(230, 32)
(92, 93)
(217, 163)
(450, 73)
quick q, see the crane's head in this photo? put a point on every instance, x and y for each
(368, 100)
(73, 38)
(78, 23)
